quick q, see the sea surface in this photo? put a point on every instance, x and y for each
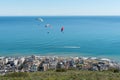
(90, 36)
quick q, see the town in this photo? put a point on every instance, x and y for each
(44, 63)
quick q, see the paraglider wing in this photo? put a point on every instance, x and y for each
(40, 19)
(62, 29)
(48, 25)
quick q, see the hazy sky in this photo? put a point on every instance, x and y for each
(59, 7)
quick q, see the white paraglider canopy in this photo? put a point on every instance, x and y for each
(40, 19)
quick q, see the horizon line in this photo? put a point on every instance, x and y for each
(50, 15)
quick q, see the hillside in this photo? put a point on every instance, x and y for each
(69, 75)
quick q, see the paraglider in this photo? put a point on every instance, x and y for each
(40, 19)
(62, 29)
(48, 25)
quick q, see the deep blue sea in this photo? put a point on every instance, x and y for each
(97, 36)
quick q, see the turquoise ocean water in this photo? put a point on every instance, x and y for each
(83, 36)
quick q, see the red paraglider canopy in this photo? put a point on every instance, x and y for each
(62, 29)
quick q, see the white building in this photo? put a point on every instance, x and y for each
(15, 62)
(6, 60)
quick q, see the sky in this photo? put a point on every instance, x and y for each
(59, 7)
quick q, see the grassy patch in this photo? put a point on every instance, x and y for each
(69, 75)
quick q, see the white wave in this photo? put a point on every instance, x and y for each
(105, 59)
(71, 47)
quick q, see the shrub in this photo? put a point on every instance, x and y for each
(114, 70)
(17, 74)
(61, 70)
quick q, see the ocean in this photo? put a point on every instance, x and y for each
(89, 36)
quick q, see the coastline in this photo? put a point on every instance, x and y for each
(34, 62)
(64, 54)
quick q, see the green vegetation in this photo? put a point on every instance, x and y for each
(68, 75)
(21, 74)
(114, 70)
(61, 70)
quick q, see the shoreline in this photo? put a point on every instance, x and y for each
(65, 54)
(62, 56)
